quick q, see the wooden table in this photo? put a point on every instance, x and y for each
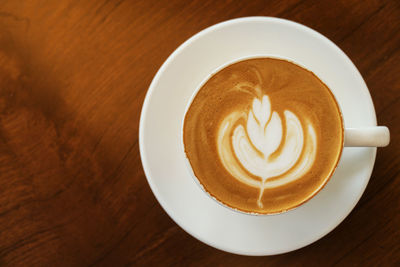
(73, 77)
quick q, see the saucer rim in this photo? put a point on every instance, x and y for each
(145, 109)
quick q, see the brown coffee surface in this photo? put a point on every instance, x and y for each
(263, 135)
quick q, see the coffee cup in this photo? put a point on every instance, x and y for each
(262, 135)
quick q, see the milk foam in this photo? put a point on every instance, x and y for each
(246, 149)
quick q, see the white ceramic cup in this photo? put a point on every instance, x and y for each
(375, 136)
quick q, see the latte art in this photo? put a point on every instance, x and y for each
(253, 146)
(263, 135)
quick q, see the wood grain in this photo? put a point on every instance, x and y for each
(73, 78)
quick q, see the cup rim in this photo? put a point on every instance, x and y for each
(189, 166)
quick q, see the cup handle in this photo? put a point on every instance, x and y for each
(377, 136)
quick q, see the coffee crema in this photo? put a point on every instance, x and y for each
(263, 135)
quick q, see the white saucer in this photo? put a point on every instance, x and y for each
(160, 136)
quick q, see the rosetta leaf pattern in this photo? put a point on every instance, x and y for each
(253, 142)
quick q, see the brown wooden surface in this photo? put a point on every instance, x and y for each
(73, 77)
